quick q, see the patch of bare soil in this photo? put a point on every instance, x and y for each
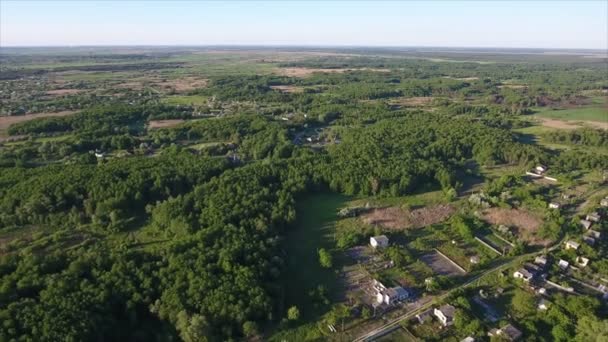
(397, 218)
(288, 88)
(412, 101)
(61, 92)
(525, 223)
(184, 84)
(6, 121)
(153, 124)
(305, 72)
(462, 78)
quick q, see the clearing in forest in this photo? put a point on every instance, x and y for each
(397, 218)
(153, 124)
(525, 223)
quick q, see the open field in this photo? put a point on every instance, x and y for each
(313, 230)
(305, 72)
(154, 124)
(589, 114)
(7, 121)
(398, 218)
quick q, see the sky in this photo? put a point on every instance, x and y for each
(529, 24)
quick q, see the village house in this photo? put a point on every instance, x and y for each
(508, 332)
(540, 169)
(524, 274)
(445, 314)
(424, 316)
(380, 241)
(586, 224)
(389, 296)
(589, 240)
(543, 304)
(594, 234)
(554, 205)
(582, 261)
(541, 260)
(392, 295)
(604, 202)
(563, 264)
(572, 245)
(594, 216)
(468, 339)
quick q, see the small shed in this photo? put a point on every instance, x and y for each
(379, 241)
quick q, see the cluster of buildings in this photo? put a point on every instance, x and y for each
(386, 295)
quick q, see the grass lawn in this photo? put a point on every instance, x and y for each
(313, 229)
(196, 100)
(589, 113)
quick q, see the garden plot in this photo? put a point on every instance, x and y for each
(526, 225)
(441, 265)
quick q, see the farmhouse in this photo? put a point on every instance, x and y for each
(524, 274)
(594, 233)
(445, 314)
(586, 224)
(541, 260)
(594, 216)
(392, 295)
(572, 245)
(589, 240)
(508, 332)
(424, 316)
(554, 205)
(379, 241)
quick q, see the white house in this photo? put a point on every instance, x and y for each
(594, 233)
(554, 205)
(586, 224)
(468, 339)
(582, 261)
(594, 216)
(392, 295)
(572, 245)
(563, 264)
(540, 169)
(379, 241)
(445, 314)
(524, 274)
(543, 304)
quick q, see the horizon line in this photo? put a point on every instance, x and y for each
(306, 46)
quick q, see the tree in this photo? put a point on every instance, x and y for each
(250, 328)
(293, 314)
(325, 258)
(591, 329)
(523, 303)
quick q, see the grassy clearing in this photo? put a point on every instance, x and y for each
(314, 228)
(587, 113)
(195, 100)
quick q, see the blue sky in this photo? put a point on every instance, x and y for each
(543, 24)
